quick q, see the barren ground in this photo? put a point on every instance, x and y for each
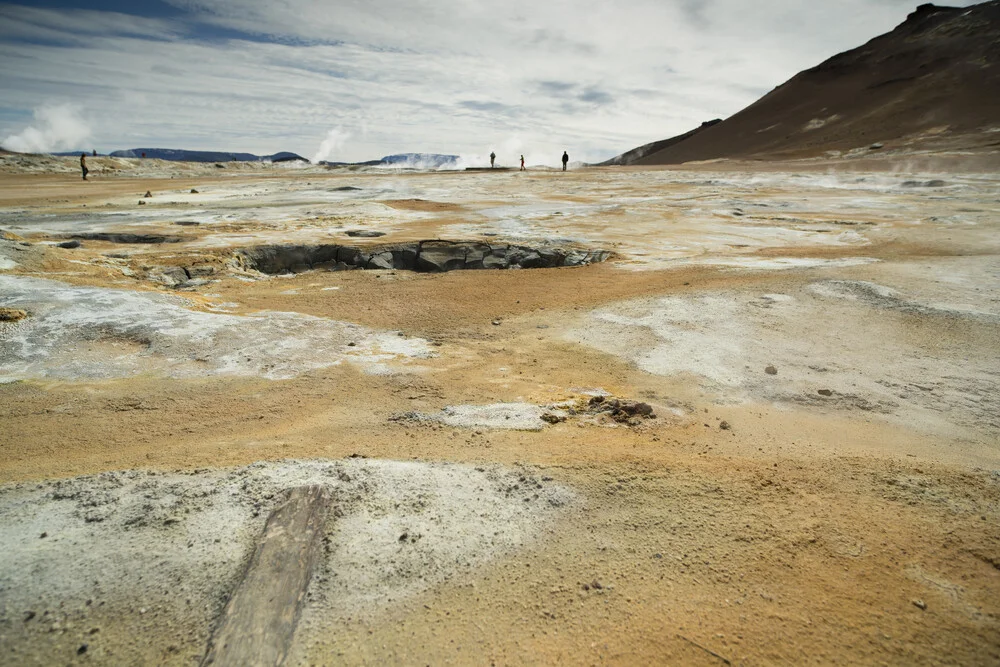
(821, 482)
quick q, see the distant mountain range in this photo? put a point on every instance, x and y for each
(180, 155)
(932, 83)
(405, 161)
(400, 160)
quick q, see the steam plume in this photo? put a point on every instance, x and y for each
(56, 128)
(335, 140)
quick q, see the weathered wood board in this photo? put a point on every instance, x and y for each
(258, 623)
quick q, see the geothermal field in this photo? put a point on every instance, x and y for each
(724, 413)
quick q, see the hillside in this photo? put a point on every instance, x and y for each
(932, 82)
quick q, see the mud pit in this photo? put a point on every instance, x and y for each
(817, 477)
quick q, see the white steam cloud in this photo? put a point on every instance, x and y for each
(56, 128)
(335, 140)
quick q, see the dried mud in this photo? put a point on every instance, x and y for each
(814, 478)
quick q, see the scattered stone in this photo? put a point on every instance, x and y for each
(12, 315)
(345, 188)
(496, 323)
(219, 166)
(28, 616)
(825, 392)
(187, 223)
(724, 425)
(82, 649)
(69, 245)
(142, 203)
(771, 370)
(876, 146)
(364, 233)
(920, 604)
(43, 536)
(148, 194)
(621, 410)
(193, 191)
(552, 418)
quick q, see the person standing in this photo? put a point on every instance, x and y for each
(565, 160)
(83, 165)
(493, 157)
(522, 164)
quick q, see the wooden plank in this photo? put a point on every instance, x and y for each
(258, 623)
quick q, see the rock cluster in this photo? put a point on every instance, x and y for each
(422, 256)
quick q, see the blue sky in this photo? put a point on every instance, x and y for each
(364, 78)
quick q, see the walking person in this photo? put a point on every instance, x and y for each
(522, 164)
(565, 160)
(493, 157)
(83, 165)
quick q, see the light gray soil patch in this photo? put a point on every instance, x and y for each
(91, 333)
(137, 566)
(835, 344)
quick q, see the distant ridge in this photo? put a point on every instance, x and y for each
(932, 83)
(632, 156)
(405, 161)
(180, 155)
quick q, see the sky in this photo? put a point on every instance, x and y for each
(353, 80)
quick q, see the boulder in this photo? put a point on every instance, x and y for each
(436, 257)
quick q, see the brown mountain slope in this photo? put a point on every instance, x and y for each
(935, 78)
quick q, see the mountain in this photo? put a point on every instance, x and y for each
(405, 161)
(636, 154)
(931, 83)
(180, 155)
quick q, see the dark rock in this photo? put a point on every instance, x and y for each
(82, 649)
(193, 191)
(344, 188)
(771, 370)
(724, 425)
(142, 203)
(552, 418)
(364, 233)
(69, 244)
(440, 256)
(187, 223)
(382, 260)
(148, 194)
(825, 392)
(126, 238)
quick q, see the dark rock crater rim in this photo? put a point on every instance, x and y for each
(429, 256)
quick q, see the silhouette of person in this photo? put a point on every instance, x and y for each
(95, 152)
(522, 164)
(565, 160)
(83, 165)
(493, 157)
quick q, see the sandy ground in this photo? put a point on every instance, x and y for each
(820, 484)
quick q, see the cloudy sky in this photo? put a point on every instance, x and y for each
(358, 79)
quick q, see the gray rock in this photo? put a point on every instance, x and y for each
(364, 233)
(436, 257)
(69, 244)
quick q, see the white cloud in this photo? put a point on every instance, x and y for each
(56, 128)
(445, 76)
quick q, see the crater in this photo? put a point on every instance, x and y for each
(422, 256)
(125, 238)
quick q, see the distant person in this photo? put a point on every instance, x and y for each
(83, 165)
(565, 160)
(493, 158)
(144, 155)
(522, 164)
(95, 152)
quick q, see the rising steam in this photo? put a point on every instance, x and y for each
(56, 128)
(335, 140)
